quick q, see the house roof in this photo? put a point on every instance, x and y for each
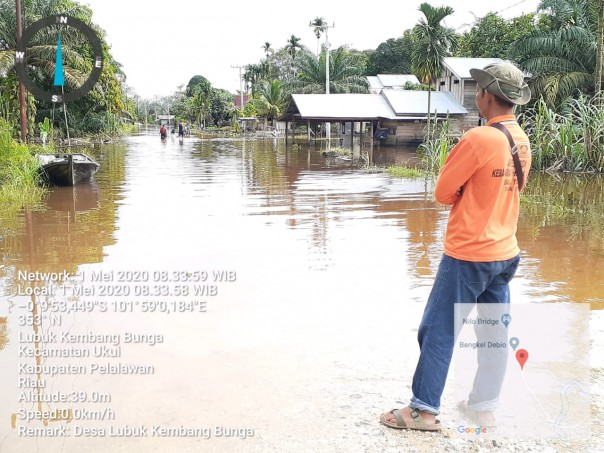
(408, 103)
(390, 104)
(381, 81)
(396, 80)
(339, 106)
(374, 83)
(461, 66)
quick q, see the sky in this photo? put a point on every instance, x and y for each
(162, 44)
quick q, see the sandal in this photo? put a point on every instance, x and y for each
(418, 422)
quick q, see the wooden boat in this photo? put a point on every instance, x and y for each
(67, 169)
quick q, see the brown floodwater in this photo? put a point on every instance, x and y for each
(257, 272)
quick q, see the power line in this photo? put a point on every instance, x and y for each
(496, 12)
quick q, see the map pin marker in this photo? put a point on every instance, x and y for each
(522, 356)
(506, 320)
(514, 342)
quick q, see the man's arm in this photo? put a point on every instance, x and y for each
(459, 166)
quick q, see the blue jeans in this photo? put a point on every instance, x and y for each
(457, 282)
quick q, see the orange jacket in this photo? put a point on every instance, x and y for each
(483, 220)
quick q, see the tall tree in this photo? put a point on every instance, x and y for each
(434, 43)
(293, 46)
(267, 49)
(319, 27)
(198, 83)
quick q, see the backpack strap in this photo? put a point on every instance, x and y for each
(514, 149)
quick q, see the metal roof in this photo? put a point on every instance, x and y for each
(382, 81)
(461, 66)
(407, 102)
(350, 106)
(396, 80)
(390, 104)
(374, 83)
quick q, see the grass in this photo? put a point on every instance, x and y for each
(435, 148)
(19, 177)
(569, 140)
(400, 171)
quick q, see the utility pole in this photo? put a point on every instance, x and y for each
(326, 28)
(22, 106)
(240, 84)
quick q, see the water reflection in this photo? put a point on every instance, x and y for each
(562, 232)
(328, 258)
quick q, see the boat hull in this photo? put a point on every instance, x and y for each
(67, 169)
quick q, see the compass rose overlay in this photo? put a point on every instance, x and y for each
(21, 59)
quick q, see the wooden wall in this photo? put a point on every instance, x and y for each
(412, 132)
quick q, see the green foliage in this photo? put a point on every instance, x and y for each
(18, 171)
(493, 35)
(345, 74)
(572, 141)
(271, 99)
(433, 42)
(250, 110)
(400, 171)
(222, 107)
(320, 25)
(9, 102)
(108, 95)
(436, 147)
(293, 46)
(561, 54)
(198, 83)
(392, 56)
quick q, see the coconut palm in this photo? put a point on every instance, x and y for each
(345, 74)
(293, 46)
(434, 43)
(562, 58)
(271, 99)
(319, 25)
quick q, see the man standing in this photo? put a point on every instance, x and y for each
(481, 254)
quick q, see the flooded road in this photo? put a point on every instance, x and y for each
(251, 288)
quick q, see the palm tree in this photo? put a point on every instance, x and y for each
(256, 73)
(434, 43)
(272, 99)
(562, 58)
(201, 105)
(293, 45)
(267, 49)
(319, 27)
(346, 76)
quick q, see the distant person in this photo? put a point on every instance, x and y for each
(181, 131)
(163, 133)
